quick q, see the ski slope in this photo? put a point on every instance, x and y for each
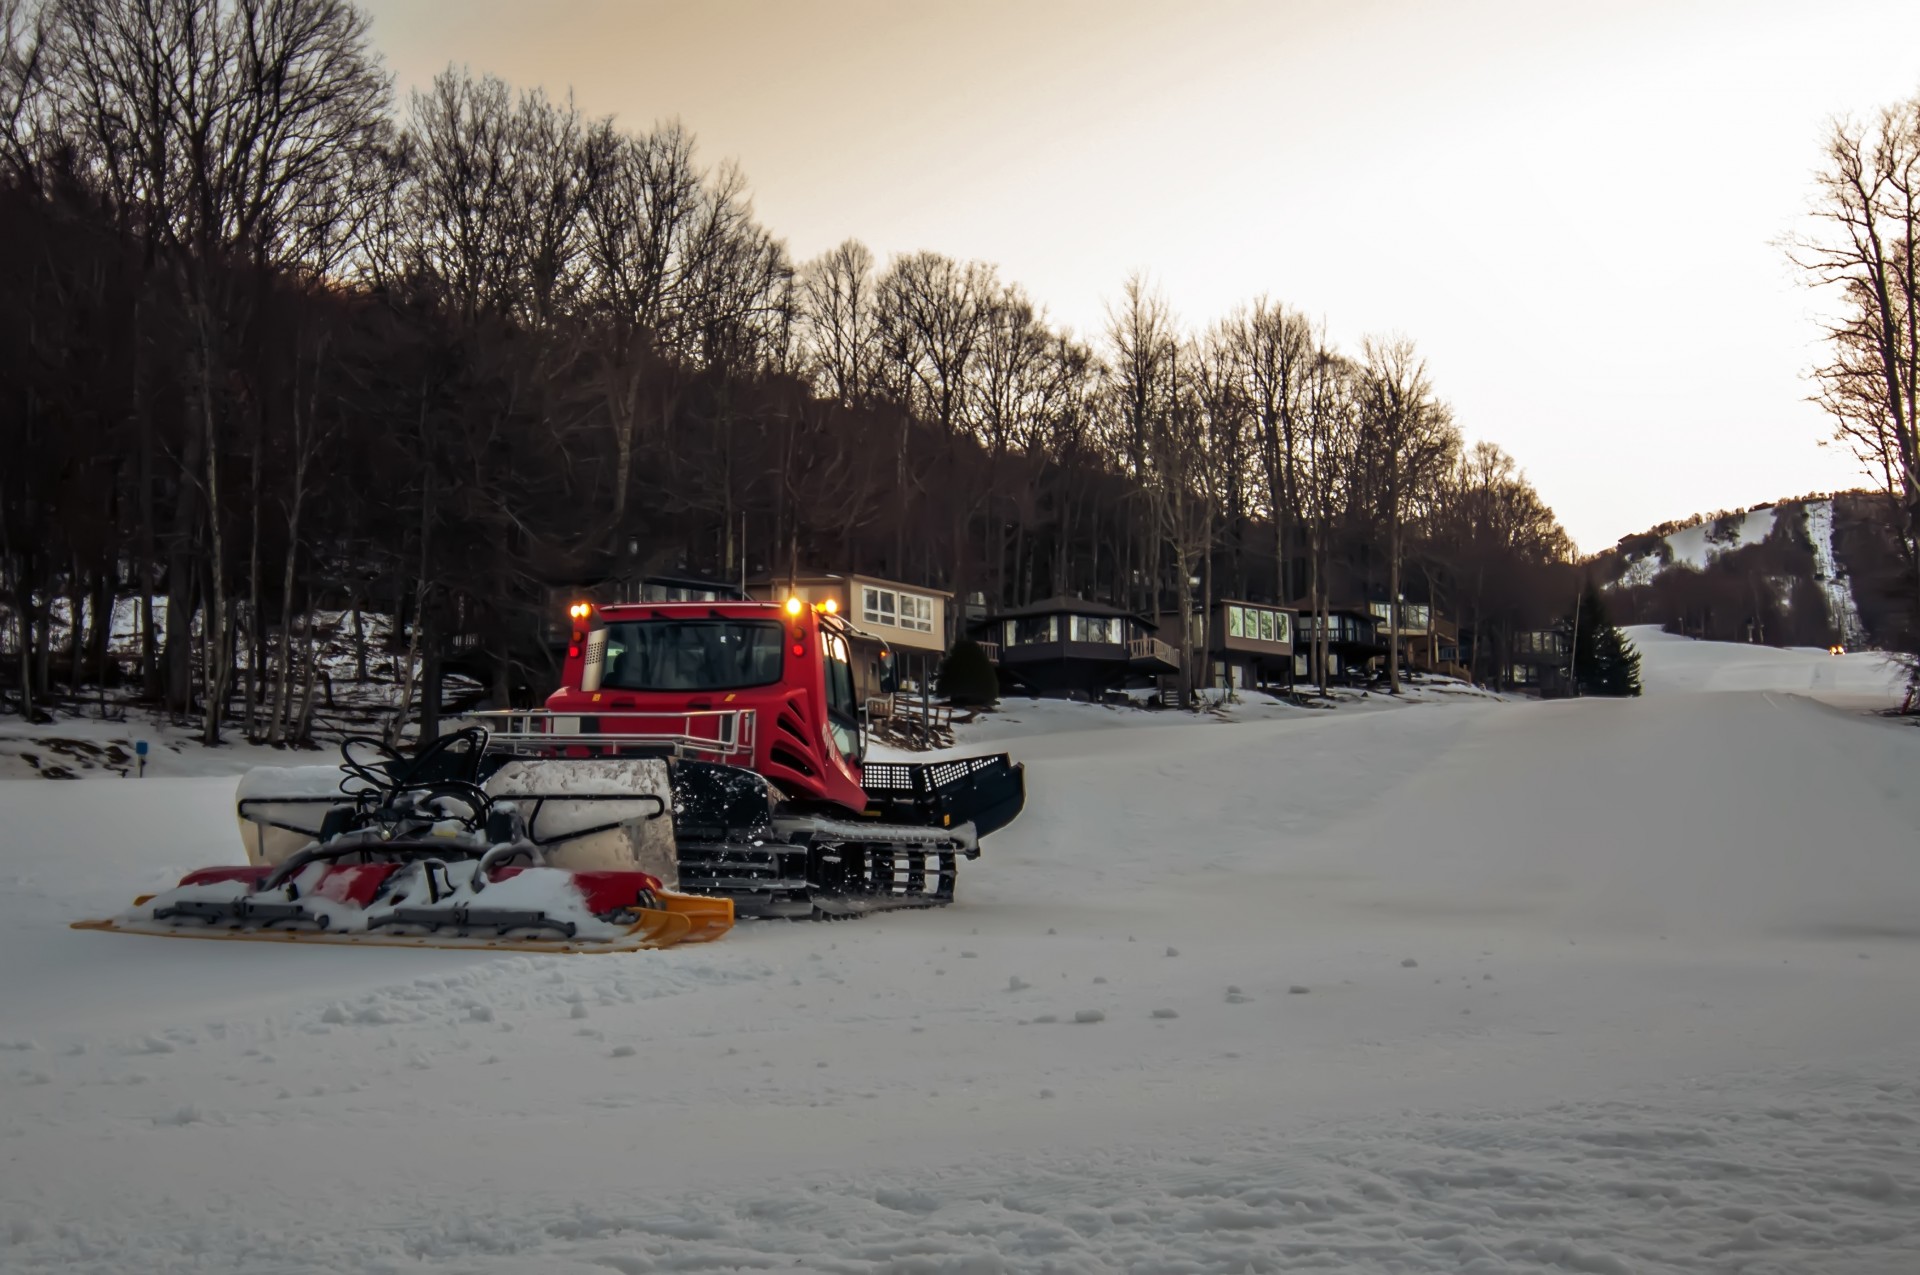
(1695, 546)
(1465, 985)
(1831, 578)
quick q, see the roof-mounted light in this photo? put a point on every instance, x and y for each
(832, 605)
(580, 610)
(793, 605)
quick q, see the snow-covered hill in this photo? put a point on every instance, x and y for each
(1699, 544)
(1463, 986)
(1784, 546)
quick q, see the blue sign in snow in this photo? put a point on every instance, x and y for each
(139, 748)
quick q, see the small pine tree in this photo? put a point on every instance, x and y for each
(967, 678)
(1605, 662)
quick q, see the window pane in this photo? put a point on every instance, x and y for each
(692, 655)
(1266, 626)
(916, 612)
(1233, 623)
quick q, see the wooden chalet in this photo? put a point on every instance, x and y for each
(1354, 642)
(1073, 646)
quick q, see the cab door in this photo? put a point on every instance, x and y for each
(843, 705)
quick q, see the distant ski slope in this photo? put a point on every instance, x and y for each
(1700, 544)
(1691, 547)
(1833, 582)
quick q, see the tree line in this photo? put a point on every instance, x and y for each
(279, 342)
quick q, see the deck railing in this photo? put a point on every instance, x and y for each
(1152, 648)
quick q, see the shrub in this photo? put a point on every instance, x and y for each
(967, 678)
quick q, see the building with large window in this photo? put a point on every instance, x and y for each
(1353, 643)
(1539, 661)
(1428, 641)
(1065, 645)
(1246, 644)
(902, 627)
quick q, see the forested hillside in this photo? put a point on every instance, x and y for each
(277, 342)
(1809, 571)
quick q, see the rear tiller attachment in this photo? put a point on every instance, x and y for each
(412, 852)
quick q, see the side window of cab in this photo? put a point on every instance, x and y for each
(843, 711)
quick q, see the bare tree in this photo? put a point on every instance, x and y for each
(1144, 379)
(838, 305)
(932, 309)
(1407, 436)
(1329, 432)
(24, 28)
(461, 218)
(1020, 381)
(640, 215)
(1276, 347)
(1866, 250)
(1219, 384)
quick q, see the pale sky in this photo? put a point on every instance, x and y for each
(1574, 209)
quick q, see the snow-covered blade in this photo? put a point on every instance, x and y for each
(426, 903)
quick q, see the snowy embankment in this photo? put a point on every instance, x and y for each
(97, 740)
(1465, 986)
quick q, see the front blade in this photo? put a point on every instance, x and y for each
(707, 918)
(654, 929)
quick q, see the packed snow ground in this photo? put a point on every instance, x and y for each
(1467, 985)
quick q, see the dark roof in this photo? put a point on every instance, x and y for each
(841, 577)
(1062, 604)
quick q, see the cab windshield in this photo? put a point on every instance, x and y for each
(692, 655)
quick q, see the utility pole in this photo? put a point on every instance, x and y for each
(1573, 651)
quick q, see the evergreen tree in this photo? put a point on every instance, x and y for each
(967, 678)
(1604, 661)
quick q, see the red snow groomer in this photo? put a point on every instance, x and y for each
(700, 757)
(750, 711)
